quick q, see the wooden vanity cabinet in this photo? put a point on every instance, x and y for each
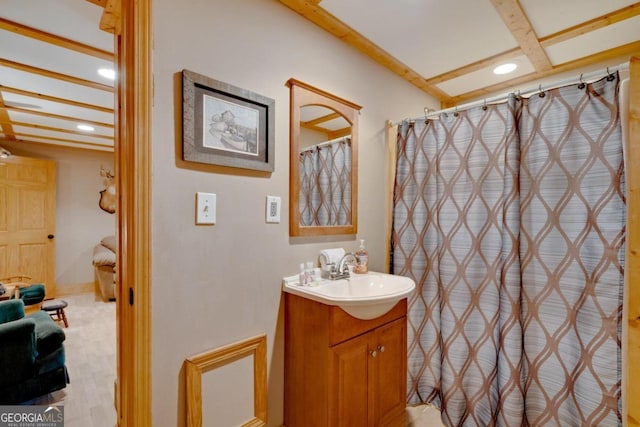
(343, 371)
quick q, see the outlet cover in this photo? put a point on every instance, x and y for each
(273, 209)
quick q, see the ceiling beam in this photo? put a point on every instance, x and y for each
(55, 129)
(53, 39)
(616, 52)
(56, 116)
(51, 138)
(101, 3)
(110, 19)
(53, 75)
(322, 119)
(6, 127)
(591, 25)
(43, 97)
(339, 29)
(517, 22)
(475, 66)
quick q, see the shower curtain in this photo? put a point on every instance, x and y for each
(325, 184)
(511, 220)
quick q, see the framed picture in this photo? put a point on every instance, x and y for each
(226, 125)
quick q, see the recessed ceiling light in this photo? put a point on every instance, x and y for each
(505, 68)
(107, 73)
(86, 127)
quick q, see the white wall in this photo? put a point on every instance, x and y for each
(80, 223)
(216, 285)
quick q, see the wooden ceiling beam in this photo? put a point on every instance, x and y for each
(101, 3)
(591, 25)
(6, 127)
(55, 129)
(476, 66)
(339, 29)
(57, 116)
(53, 75)
(517, 22)
(110, 19)
(43, 97)
(55, 40)
(322, 119)
(616, 52)
(51, 138)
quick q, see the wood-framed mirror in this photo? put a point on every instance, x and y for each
(323, 162)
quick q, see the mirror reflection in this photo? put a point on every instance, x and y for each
(323, 162)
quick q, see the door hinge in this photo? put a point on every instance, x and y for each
(131, 296)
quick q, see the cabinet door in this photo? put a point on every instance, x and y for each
(389, 391)
(348, 372)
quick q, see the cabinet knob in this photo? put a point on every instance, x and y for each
(373, 353)
(381, 348)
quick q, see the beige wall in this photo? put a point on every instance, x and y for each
(80, 223)
(215, 285)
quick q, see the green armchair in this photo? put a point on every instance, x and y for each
(32, 359)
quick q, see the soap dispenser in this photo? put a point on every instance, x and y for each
(362, 256)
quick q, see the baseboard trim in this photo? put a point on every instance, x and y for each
(75, 289)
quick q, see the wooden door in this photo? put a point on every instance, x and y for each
(389, 389)
(348, 387)
(27, 219)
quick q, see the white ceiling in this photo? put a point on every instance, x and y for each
(74, 20)
(450, 47)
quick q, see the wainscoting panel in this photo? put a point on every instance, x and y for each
(198, 364)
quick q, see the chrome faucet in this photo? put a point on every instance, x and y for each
(343, 266)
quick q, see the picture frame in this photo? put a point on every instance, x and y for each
(226, 125)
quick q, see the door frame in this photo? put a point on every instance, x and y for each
(133, 176)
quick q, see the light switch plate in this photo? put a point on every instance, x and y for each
(273, 209)
(205, 208)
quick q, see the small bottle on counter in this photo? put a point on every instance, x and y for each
(310, 274)
(301, 276)
(362, 256)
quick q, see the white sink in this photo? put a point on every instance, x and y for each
(363, 296)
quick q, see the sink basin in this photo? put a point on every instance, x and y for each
(363, 296)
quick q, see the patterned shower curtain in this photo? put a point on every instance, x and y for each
(325, 184)
(510, 218)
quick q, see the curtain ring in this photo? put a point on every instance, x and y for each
(541, 94)
(484, 105)
(426, 115)
(455, 112)
(610, 76)
(582, 84)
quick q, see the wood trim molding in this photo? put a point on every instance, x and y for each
(133, 180)
(392, 136)
(198, 364)
(633, 249)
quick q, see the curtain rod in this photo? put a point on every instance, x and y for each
(526, 92)
(321, 144)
